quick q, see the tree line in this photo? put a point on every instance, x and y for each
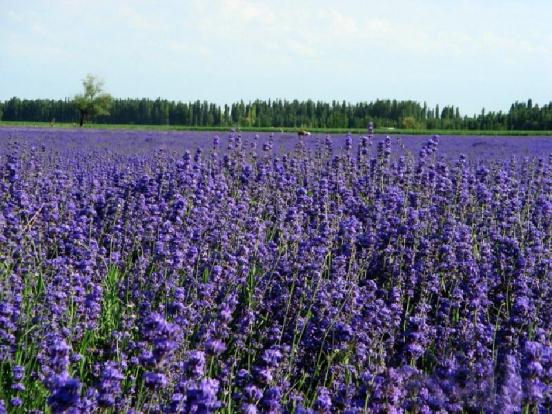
(282, 114)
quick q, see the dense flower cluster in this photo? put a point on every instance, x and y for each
(343, 275)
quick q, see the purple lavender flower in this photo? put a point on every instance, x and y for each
(323, 403)
(109, 388)
(16, 402)
(155, 380)
(65, 394)
(202, 397)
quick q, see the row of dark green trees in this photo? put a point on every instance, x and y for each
(285, 114)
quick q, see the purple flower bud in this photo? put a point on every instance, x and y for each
(155, 380)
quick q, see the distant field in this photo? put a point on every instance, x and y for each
(146, 141)
(391, 131)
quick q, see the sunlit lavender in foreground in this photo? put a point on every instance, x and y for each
(158, 273)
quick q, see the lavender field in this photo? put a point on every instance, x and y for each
(180, 272)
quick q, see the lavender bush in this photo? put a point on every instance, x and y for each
(268, 275)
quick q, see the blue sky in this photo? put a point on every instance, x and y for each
(470, 53)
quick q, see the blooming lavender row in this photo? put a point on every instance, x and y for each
(352, 277)
(135, 142)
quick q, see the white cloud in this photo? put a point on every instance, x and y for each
(14, 16)
(249, 10)
(137, 20)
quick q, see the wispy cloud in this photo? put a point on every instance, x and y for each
(248, 11)
(139, 21)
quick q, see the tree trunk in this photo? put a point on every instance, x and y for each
(81, 121)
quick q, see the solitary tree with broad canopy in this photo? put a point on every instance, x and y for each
(94, 101)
